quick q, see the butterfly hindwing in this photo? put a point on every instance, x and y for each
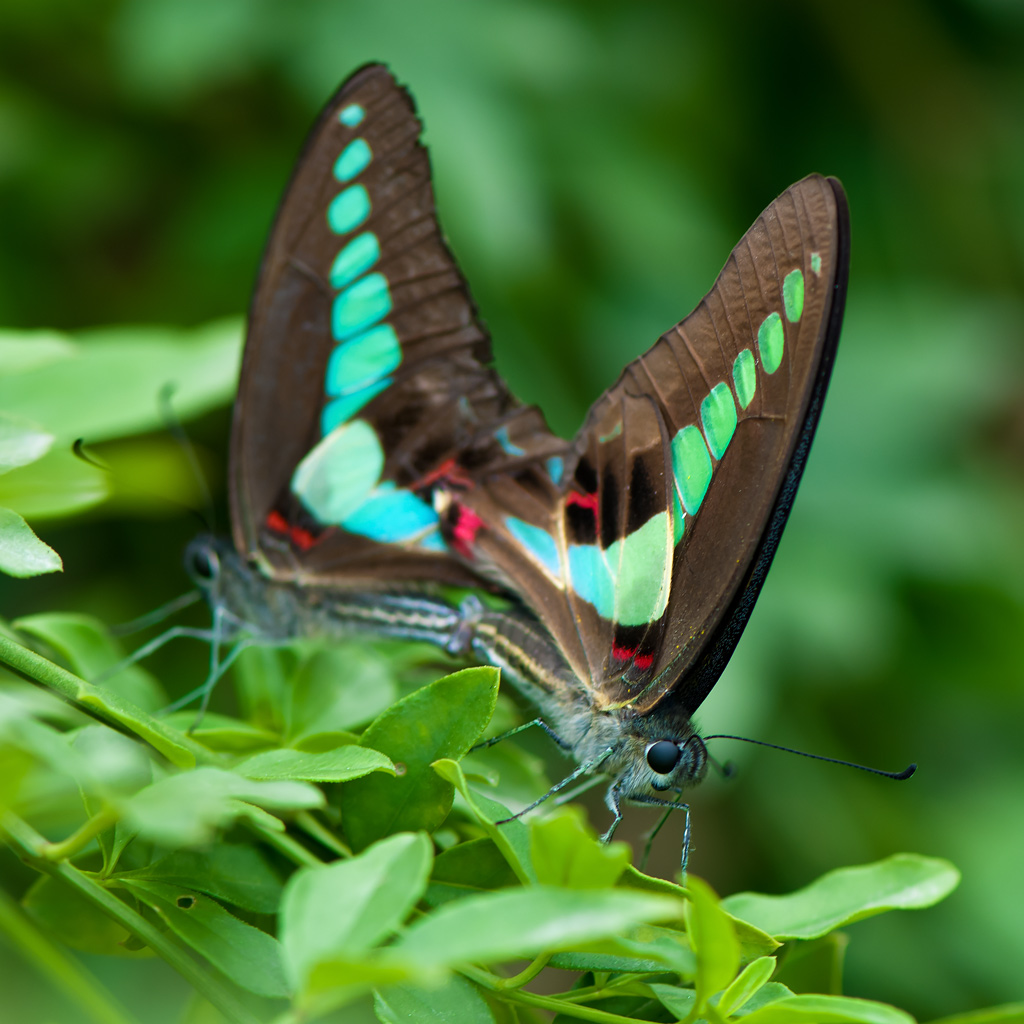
(670, 505)
(365, 380)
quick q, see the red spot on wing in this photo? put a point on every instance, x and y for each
(623, 653)
(300, 537)
(643, 661)
(583, 500)
(449, 472)
(464, 530)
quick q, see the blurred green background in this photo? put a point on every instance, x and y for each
(594, 164)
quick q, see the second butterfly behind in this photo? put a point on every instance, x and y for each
(376, 453)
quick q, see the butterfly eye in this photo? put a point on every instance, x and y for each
(201, 563)
(663, 756)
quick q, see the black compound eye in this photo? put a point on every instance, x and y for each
(663, 756)
(201, 564)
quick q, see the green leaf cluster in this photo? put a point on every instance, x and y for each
(291, 863)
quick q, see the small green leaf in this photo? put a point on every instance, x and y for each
(903, 881)
(223, 733)
(77, 921)
(442, 720)
(566, 852)
(338, 765)
(458, 1001)
(677, 1000)
(770, 992)
(512, 838)
(230, 872)
(21, 443)
(746, 984)
(338, 688)
(814, 1009)
(249, 957)
(22, 553)
(341, 910)
(90, 650)
(524, 922)
(468, 868)
(815, 965)
(650, 949)
(713, 939)
(187, 809)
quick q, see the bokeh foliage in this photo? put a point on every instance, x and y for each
(594, 162)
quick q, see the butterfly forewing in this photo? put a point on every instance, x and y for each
(365, 381)
(680, 480)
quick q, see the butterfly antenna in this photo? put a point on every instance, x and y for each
(175, 429)
(80, 452)
(898, 776)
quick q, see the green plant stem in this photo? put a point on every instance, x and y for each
(313, 827)
(31, 846)
(77, 841)
(493, 983)
(527, 974)
(97, 702)
(284, 843)
(94, 1001)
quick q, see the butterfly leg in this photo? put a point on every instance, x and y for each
(587, 766)
(612, 799)
(519, 728)
(669, 805)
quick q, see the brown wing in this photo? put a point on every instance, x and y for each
(645, 560)
(357, 271)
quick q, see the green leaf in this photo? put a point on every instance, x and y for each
(77, 921)
(21, 351)
(338, 765)
(230, 872)
(59, 484)
(815, 965)
(677, 1000)
(108, 384)
(770, 992)
(187, 809)
(441, 720)
(648, 949)
(713, 939)
(249, 957)
(746, 984)
(565, 852)
(457, 1001)
(343, 909)
(468, 868)
(22, 553)
(338, 688)
(341, 979)
(90, 650)
(21, 443)
(512, 838)
(524, 922)
(223, 733)
(814, 1009)
(903, 881)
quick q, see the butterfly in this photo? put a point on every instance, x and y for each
(376, 453)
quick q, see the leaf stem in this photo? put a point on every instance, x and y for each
(98, 702)
(94, 1001)
(31, 846)
(284, 843)
(78, 840)
(527, 974)
(493, 983)
(315, 828)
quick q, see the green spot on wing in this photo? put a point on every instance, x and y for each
(691, 466)
(348, 209)
(770, 340)
(816, 262)
(352, 115)
(354, 159)
(793, 295)
(338, 473)
(718, 417)
(744, 376)
(642, 566)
